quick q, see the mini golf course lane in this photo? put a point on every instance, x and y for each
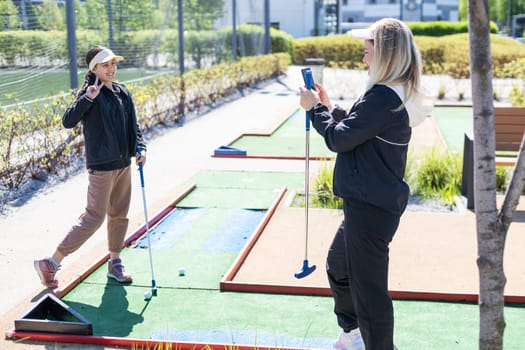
(287, 141)
(204, 234)
(453, 122)
(191, 308)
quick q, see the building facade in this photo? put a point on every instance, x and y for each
(302, 18)
(406, 10)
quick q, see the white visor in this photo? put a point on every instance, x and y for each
(365, 34)
(104, 56)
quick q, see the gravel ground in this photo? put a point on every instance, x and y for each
(415, 203)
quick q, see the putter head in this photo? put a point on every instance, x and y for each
(306, 270)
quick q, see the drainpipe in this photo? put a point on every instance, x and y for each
(267, 39)
(110, 23)
(234, 30)
(71, 44)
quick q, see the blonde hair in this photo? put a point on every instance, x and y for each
(396, 58)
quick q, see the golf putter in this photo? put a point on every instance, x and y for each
(306, 269)
(147, 295)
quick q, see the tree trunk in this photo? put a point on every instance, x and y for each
(490, 231)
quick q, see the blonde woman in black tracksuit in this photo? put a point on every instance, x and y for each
(106, 111)
(371, 142)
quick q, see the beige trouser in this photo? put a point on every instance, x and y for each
(109, 192)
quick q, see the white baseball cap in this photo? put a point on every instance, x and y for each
(365, 33)
(104, 56)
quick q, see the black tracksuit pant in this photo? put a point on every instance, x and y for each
(357, 268)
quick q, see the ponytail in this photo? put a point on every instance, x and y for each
(87, 79)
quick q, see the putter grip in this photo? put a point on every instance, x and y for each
(309, 84)
(308, 78)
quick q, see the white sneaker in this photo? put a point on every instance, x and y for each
(350, 341)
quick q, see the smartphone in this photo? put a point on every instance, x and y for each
(308, 78)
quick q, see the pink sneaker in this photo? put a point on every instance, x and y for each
(117, 272)
(46, 271)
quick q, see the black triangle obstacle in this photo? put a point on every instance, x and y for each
(52, 315)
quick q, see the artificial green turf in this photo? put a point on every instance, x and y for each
(288, 140)
(443, 325)
(192, 308)
(239, 189)
(204, 268)
(120, 311)
(247, 180)
(243, 198)
(453, 123)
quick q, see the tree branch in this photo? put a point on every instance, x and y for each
(515, 188)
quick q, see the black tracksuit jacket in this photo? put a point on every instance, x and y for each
(109, 125)
(371, 142)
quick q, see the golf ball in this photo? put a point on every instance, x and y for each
(147, 295)
(182, 272)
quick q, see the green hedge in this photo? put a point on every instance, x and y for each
(440, 28)
(42, 48)
(337, 50)
(441, 55)
(451, 55)
(166, 97)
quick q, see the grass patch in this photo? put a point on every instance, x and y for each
(27, 85)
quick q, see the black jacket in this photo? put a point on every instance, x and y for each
(109, 125)
(371, 142)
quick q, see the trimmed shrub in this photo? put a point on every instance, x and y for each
(44, 48)
(440, 55)
(342, 51)
(442, 28)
